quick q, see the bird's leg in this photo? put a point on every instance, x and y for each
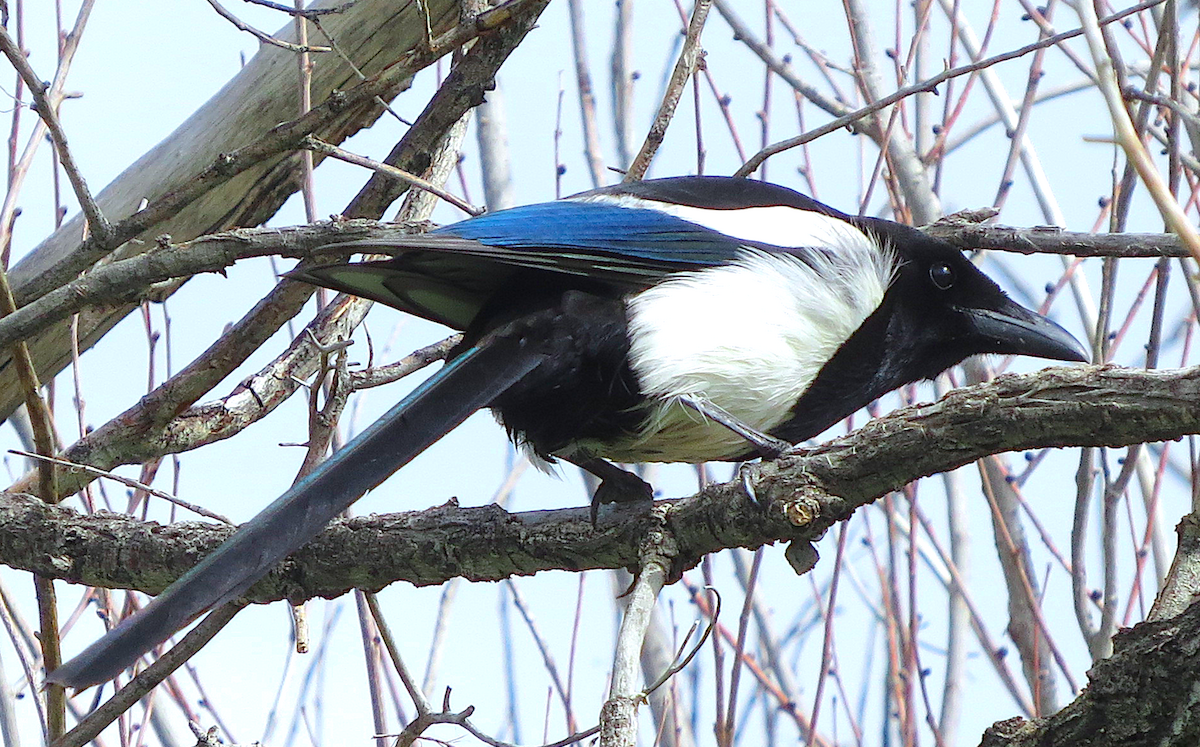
(767, 446)
(616, 485)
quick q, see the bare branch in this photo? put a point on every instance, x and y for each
(319, 146)
(132, 278)
(930, 84)
(618, 715)
(1154, 657)
(308, 13)
(129, 482)
(1127, 136)
(1085, 405)
(61, 258)
(263, 36)
(98, 226)
(163, 423)
(462, 89)
(1053, 240)
(685, 66)
(587, 99)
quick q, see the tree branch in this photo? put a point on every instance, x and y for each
(807, 493)
(851, 119)
(462, 90)
(216, 186)
(97, 225)
(147, 430)
(1053, 240)
(128, 279)
(1151, 659)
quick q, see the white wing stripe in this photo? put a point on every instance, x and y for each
(780, 225)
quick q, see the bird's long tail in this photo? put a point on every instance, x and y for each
(465, 385)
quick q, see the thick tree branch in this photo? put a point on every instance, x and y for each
(808, 492)
(1144, 694)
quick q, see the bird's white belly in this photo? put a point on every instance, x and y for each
(750, 337)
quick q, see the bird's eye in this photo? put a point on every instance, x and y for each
(942, 275)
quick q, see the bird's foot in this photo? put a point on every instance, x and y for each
(746, 471)
(624, 487)
(769, 447)
(616, 485)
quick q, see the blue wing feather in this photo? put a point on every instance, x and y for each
(448, 274)
(605, 236)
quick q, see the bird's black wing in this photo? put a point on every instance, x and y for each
(714, 193)
(448, 274)
(463, 386)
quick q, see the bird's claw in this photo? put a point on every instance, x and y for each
(746, 476)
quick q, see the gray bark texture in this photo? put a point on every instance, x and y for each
(1147, 693)
(805, 493)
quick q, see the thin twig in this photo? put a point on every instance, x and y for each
(309, 13)
(42, 421)
(424, 708)
(129, 482)
(587, 100)
(19, 168)
(263, 36)
(689, 56)
(739, 648)
(282, 138)
(540, 641)
(312, 143)
(929, 84)
(372, 663)
(98, 226)
(827, 638)
(1123, 128)
(682, 660)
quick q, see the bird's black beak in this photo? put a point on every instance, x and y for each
(1015, 330)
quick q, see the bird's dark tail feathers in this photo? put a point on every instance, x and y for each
(465, 385)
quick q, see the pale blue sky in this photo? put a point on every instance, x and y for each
(143, 68)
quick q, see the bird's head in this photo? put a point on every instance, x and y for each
(943, 309)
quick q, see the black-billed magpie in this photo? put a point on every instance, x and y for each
(689, 319)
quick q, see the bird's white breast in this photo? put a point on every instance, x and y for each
(749, 336)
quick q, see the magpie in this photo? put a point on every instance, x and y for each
(688, 319)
